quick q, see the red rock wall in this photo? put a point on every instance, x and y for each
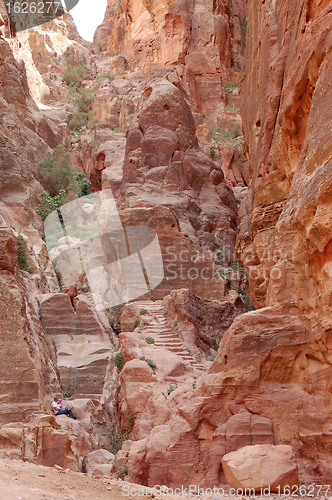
(203, 39)
(275, 362)
(285, 230)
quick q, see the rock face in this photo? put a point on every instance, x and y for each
(172, 187)
(261, 466)
(276, 361)
(21, 124)
(273, 366)
(284, 243)
(26, 370)
(39, 441)
(79, 343)
(202, 39)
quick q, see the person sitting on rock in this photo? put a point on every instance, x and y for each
(58, 410)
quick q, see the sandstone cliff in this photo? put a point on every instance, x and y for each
(162, 135)
(202, 40)
(273, 364)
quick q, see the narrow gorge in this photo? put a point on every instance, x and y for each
(166, 251)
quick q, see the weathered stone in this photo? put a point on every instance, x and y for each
(99, 463)
(261, 466)
(78, 340)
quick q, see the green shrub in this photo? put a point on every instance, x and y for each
(171, 389)
(230, 135)
(56, 172)
(247, 302)
(77, 134)
(230, 87)
(119, 361)
(73, 75)
(82, 98)
(79, 120)
(113, 316)
(151, 363)
(212, 152)
(49, 203)
(233, 108)
(117, 438)
(120, 471)
(83, 183)
(22, 259)
(149, 340)
(135, 324)
(143, 311)
(116, 129)
(215, 344)
(244, 24)
(106, 74)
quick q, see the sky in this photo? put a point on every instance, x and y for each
(88, 15)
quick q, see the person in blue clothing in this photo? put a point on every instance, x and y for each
(58, 410)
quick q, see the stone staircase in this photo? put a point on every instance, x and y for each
(166, 337)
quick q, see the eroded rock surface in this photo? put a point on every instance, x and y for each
(79, 343)
(261, 466)
(202, 40)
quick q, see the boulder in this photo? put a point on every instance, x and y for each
(99, 463)
(40, 441)
(261, 466)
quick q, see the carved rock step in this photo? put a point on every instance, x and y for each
(165, 336)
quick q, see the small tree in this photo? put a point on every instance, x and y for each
(83, 183)
(73, 75)
(79, 120)
(49, 203)
(57, 173)
(82, 98)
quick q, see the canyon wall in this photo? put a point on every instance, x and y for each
(285, 233)
(203, 40)
(271, 380)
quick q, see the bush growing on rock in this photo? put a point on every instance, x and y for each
(233, 108)
(49, 203)
(83, 183)
(119, 361)
(56, 172)
(230, 87)
(113, 316)
(151, 363)
(106, 74)
(59, 178)
(82, 98)
(22, 259)
(120, 471)
(79, 120)
(215, 344)
(73, 75)
(231, 134)
(117, 438)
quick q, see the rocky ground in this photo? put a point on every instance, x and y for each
(24, 481)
